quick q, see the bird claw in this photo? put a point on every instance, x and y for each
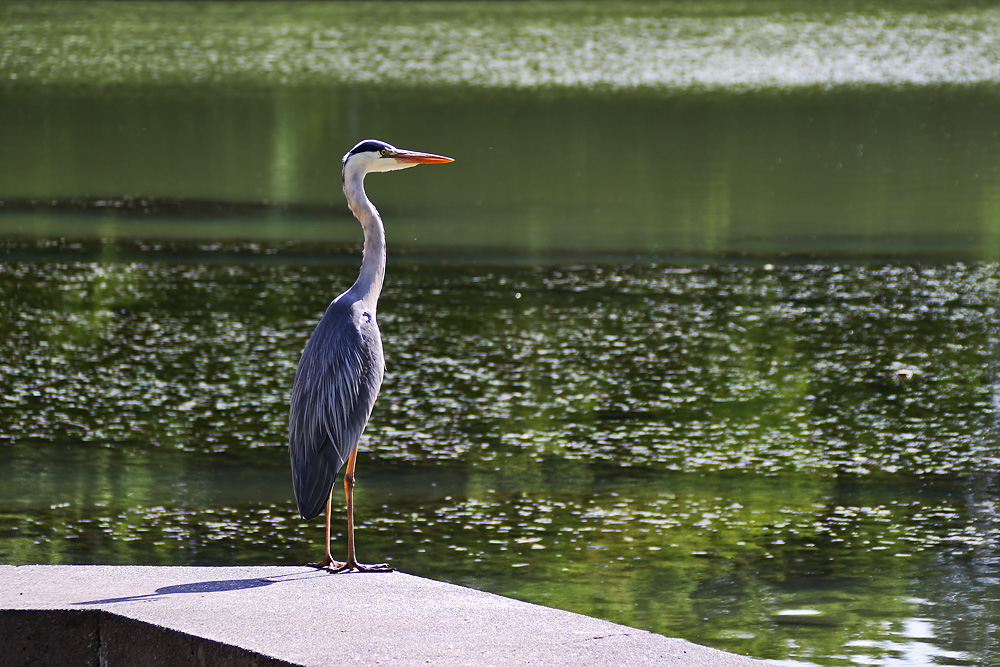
(362, 567)
(330, 566)
(336, 567)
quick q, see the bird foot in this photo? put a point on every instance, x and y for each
(330, 564)
(362, 567)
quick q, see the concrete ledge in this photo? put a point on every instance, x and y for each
(220, 616)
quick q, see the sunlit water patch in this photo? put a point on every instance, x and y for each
(814, 368)
(666, 46)
(792, 461)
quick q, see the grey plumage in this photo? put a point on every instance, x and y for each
(336, 384)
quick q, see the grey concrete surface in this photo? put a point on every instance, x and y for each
(143, 615)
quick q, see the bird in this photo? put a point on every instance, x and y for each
(340, 371)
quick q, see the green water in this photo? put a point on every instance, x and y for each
(789, 462)
(697, 334)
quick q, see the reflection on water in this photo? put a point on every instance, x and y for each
(784, 460)
(593, 128)
(855, 173)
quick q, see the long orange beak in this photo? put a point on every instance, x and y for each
(420, 158)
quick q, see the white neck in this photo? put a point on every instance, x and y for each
(368, 286)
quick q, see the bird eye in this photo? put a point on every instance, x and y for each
(383, 152)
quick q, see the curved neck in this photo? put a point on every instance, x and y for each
(368, 286)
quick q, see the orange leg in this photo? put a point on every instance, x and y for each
(328, 561)
(352, 561)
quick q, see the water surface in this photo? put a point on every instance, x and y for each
(675, 45)
(792, 461)
(851, 173)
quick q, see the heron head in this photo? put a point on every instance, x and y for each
(373, 155)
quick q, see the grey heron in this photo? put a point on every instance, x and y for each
(340, 371)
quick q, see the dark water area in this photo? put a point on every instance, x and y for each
(791, 460)
(855, 173)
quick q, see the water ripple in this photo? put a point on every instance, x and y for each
(496, 45)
